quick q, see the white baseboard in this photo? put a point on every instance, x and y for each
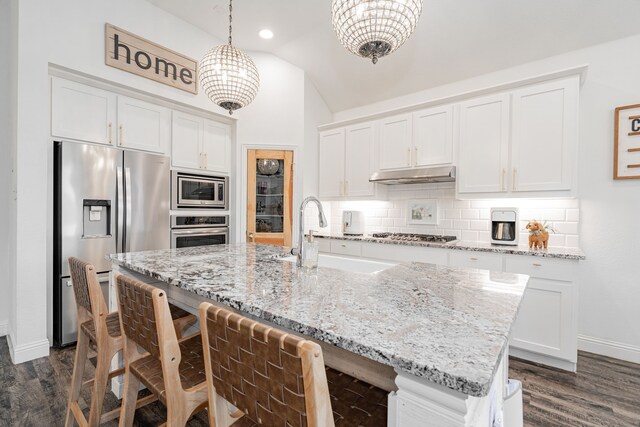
(27, 352)
(554, 362)
(614, 349)
(4, 328)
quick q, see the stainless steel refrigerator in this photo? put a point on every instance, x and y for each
(106, 200)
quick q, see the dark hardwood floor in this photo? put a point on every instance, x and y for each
(604, 392)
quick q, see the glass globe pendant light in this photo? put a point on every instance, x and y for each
(228, 75)
(374, 28)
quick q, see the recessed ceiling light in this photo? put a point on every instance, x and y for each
(266, 34)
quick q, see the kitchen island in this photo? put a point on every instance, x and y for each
(442, 331)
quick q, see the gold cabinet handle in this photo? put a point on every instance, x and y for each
(473, 258)
(121, 136)
(343, 245)
(110, 133)
(201, 161)
(515, 174)
(409, 156)
(415, 156)
(346, 188)
(536, 264)
(504, 172)
(206, 161)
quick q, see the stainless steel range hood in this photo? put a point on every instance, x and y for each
(416, 175)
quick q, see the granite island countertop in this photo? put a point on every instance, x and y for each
(551, 252)
(447, 325)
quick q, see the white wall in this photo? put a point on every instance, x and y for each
(608, 280)
(70, 33)
(316, 113)
(5, 157)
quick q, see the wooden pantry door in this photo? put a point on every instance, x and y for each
(269, 196)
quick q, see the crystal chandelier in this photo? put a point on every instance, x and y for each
(228, 75)
(374, 28)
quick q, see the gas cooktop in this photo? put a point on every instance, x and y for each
(408, 237)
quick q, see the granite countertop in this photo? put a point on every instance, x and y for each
(552, 252)
(447, 325)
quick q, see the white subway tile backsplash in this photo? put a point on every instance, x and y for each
(468, 220)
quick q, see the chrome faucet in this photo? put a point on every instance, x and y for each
(321, 219)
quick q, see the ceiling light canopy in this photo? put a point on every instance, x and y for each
(374, 28)
(266, 34)
(228, 75)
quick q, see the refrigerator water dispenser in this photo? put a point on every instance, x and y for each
(96, 219)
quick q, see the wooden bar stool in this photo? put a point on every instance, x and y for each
(172, 369)
(278, 379)
(102, 329)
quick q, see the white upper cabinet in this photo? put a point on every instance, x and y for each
(331, 163)
(186, 141)
(396, 135)
(484, 145)
(359, 159)
(216, 146)
(82, 112)
(142, 125)
(433, 136)
(544, 136)
(199, 143)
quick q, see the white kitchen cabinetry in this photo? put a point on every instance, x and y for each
(520, 143)
(82, 112)
(402, 253)
(347, 161)
(423, 138)
(472, 259)
(331, 167)
(546, 327)
(86, 113)
(484, 145)
(143, 126)
(396, 136)
(544, 136)
(433, 136)
(200, 144)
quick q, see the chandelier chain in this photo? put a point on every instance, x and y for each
(230, 19)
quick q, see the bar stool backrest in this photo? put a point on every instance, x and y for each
(275, 378)
(137, 313)
(89, 299)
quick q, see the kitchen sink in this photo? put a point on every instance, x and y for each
(354, 265)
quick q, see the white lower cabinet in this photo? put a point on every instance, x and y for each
(546, 329)
(471, 259)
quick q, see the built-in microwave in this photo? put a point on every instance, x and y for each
(198, 191)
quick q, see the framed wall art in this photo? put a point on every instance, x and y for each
(626, 151)
(423, 212)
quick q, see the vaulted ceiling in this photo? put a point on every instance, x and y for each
(454, 40)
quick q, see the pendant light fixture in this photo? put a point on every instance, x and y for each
(228, 75)
(374, 28)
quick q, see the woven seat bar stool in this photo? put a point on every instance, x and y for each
(278, 379)
(172, 369)
(97, 327)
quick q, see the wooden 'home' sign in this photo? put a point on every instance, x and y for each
(139, 56)
(626, 154)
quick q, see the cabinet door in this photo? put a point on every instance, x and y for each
(545, 136)
(484, 139)
(82, 112)
(544, 321)
(359, 159)
(216, 146)
(331, 167)
(395, 142)
(142, 125)
(186, 142)
(433, 136)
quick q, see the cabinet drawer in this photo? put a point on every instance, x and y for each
(405, 253)
(471, 259)
(324, 245)
(346, 247)
(543, 268)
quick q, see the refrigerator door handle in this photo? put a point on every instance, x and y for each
(127, 183)
(120, 211)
